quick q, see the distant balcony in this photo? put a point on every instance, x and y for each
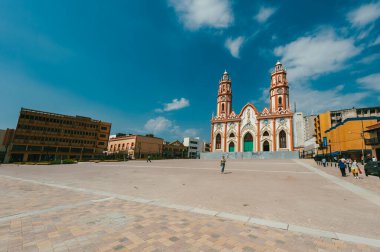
(372, 141)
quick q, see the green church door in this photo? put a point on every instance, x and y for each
(248, 143)
(231, 147)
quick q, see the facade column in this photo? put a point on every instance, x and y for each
(291, 134)
(274, 135)
(225, 136)
(258, 135)
(238, 136)
(212, 138)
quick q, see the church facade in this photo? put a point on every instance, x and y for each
(251, 130)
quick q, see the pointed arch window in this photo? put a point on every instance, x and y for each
(282, 136)
(222, 107)
(279, 101)
(232, 135)
(218, 142)
(265, 133)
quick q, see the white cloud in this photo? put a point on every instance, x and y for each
(195, 14)
(377, 41)
(371, 82)
(234, 45)
(190, 133)
(169, 129)
(321, 53)
(264, 14)
(175, 105)
(325, 100)
(369, 59)
(158, 124)
(364, 15)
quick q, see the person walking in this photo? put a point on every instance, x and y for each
(349, 164)
(355, 169)
(324, 161)
(148, 159)
(342, 168)
(222, 164)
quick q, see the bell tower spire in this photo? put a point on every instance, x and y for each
(279, 89)
(224, 100)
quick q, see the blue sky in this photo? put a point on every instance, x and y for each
(153, 66)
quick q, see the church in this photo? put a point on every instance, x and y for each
(251, 130)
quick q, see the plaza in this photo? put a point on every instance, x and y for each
(187, 205)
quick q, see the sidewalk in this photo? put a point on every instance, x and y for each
(370, 183)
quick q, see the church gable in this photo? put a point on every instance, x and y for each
(265, 112)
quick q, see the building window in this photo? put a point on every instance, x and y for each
(218, 142)
(222, 107)
(282, 136)
(232, 135)
(280, 101)
(266, 133)
(104, 128)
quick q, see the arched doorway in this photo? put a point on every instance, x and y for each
(266, 146)
(218, 142)
(248, 143)
(231, 147)
(282, 136)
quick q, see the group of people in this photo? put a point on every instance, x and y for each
(352, 166)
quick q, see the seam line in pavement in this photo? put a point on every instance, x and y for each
(55, 208)
(363, 193)
(206, 168)
(202, 211)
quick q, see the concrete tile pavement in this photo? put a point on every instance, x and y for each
(75, 219)
(111, 224)
(118, 225)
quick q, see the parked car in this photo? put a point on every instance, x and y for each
(372, 168)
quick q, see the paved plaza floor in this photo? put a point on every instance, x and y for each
(187, 205)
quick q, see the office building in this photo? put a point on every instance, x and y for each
(45, 136)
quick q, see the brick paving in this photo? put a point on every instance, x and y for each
(120, 225)
(370, 183)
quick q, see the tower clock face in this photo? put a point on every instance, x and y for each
(280, 91)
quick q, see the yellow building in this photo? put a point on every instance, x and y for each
(347, 138)
(374, 139)
(136, 146)
(321, 123)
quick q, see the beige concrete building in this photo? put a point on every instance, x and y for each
(45, 136)
(136, 146)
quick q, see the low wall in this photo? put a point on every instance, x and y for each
(251, 155)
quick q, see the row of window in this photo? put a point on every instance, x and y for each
(114, 147)
(60, 121)
(55, 139)
(57, 130)
(248, 137)
(50, 149)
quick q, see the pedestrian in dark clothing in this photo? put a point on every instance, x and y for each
(148, 160)
(342, 168)
(222, 164)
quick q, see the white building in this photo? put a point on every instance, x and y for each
(309, 127)
(195, 146)
(299, 130)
